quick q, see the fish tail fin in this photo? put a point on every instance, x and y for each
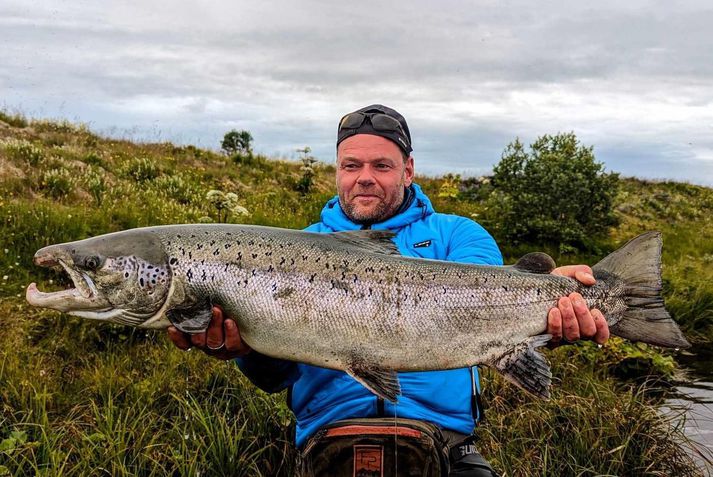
(638, 265)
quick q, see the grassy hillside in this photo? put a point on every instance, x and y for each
(83, 398)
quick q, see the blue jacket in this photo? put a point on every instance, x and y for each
(319, 396)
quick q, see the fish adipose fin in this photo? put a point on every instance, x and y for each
(382, 382)
(536, 262)
(374, 241)
(192, 319)
(527, 367)
(638, 265)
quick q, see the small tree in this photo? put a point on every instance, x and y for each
(555, 193)
(237, 142)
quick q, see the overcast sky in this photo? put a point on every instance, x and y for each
(633, 79)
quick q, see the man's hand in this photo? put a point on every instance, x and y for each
(572, 318)
(221, 340)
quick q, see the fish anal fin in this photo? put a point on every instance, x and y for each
(375, 241)
(526, 367)
(536, 262)
(191, 319)
(382, 382)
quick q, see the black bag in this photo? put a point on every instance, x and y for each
(377, 447)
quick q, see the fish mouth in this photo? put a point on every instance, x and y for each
(83, 297)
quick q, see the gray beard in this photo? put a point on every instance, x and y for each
(382, 212)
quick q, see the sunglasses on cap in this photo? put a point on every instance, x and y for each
(379, 121)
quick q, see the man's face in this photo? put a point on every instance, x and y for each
(371, 176)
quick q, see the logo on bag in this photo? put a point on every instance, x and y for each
(368, 461)
(425, 243)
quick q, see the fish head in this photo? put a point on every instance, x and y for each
(122, 277)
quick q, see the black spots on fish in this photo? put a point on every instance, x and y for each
(485, 280)
(178, 236)
(304, 258)
(370, 270)
(203, 276)
(150, 267)
(126, 274)
(505, 288)
(312, 277)
(199, 246)
(340, 285)
(141, 282)
(240, 256)
(282, 260)
(173, 261)
(326, 265)
(445, 291)
(318, 259)
(539, 292)
(190, 255)
(183, 251)
(203, 261)
(254, 255)
(216, 252)
(292, 261)
(193, 236)
(254, 272)
(245, 282)
(189, 274)
(251, 242)
(270, 269)
(355, 279)
(212, 242)
(225, 269)
(371, 291)
(226, 246)
(418, 298)
(268, 253)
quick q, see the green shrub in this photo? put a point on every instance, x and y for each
(178, 188)
(24, 151)
(96, 185)
(94, 159)
(237, 142)
(57, 182)
(16, 120)
(555, 193)
(141, 169)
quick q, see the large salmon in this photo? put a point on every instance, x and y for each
(349, 301)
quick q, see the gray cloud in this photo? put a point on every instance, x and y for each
(631, 78)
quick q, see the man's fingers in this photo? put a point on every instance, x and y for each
(178, 338)
(570, 326)
(233, 342)
(554, 325)
(215, 336)
(581, 273)
(587, 329)
(602, 334)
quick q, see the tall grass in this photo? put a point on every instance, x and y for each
(80, 398)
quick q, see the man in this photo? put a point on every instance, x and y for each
(375, 190)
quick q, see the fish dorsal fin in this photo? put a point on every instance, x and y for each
(382, 382)
(527, 367)
(374, 241)
(535, 262)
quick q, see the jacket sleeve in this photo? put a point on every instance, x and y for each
(269, 374)
(470, 243)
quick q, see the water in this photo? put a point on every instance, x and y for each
(696, 394)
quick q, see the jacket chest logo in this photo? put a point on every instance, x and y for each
(425, 243)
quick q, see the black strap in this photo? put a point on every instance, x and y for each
(476, 403)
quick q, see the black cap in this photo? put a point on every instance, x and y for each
(402, 136)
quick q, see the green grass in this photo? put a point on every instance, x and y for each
(84, 398)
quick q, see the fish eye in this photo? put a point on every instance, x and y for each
(92, 262)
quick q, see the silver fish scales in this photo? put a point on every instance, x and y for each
(349, 301)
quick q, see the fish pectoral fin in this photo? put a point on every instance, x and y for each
(527, 367)
(382, 382)
(192, 319)
(374, 241)
(535, 262)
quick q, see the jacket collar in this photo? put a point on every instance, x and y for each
(334, 218)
